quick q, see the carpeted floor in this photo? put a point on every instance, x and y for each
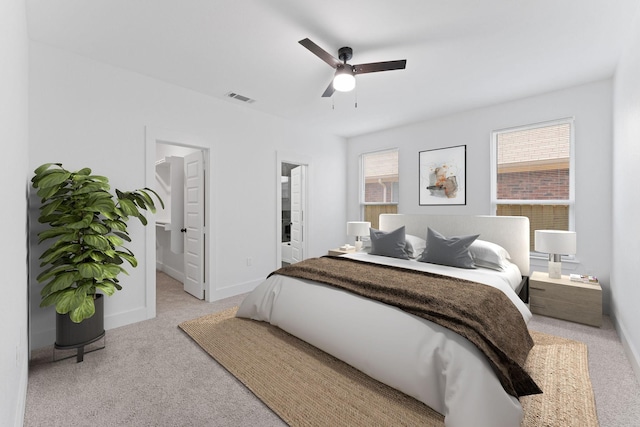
(152, 374)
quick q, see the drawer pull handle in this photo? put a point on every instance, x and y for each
(537, 289)
(537, 305)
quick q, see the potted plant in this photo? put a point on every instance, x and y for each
(88, 227)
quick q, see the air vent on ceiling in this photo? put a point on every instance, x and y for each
(240, 97)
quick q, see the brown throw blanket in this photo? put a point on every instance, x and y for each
(482, 314)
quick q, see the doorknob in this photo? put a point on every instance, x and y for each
(183, 230)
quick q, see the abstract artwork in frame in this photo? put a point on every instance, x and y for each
(443, 176)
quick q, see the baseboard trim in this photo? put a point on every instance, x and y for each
(169, 271)
(231, 291)
(629, 349)
(22, 394)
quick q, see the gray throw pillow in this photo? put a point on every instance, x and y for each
(389, 244)
(452, 251)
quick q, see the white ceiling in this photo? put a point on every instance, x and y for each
(461, 54)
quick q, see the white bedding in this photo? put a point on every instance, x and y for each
(426, 361)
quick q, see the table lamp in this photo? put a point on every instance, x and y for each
(358, 229)
(556, 243)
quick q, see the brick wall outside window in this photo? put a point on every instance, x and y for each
(536, 185)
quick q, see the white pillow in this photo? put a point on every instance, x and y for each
(414, 245)
(489, 255)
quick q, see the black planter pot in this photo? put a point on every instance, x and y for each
(71, 335)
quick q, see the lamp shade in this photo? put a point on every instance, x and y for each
(555, 242)
(358, 228)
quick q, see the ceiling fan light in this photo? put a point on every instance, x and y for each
(344, 80)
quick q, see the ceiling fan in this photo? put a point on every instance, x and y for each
(344, 79)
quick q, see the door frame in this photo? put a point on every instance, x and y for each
(300, 160)
(155, 135)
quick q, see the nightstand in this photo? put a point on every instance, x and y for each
(565, 299)
(338, 251)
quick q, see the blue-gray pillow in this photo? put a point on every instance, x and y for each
(389, 244)
(452, 251)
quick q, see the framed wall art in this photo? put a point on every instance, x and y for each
(442, 175)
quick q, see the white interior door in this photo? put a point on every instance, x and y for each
(297, 213)
(193, 229)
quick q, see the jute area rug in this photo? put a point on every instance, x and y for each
(307, 387)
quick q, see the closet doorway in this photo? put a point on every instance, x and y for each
(181, 174)
(180, 232)
(292, 216)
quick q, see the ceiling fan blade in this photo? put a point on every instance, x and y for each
(380, 66)
(320, 53)
(329, 91)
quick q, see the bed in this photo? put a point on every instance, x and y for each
(448, 371)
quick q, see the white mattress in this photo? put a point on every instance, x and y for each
(424, 360)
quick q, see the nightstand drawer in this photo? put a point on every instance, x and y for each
(564, 299)
(589, 314)
(578, 293)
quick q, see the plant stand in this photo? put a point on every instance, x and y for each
(70, 335)
(80, 348)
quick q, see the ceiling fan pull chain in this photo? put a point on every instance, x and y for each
(356, 94)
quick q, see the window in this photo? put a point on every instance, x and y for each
(533, 174)
(379, 184)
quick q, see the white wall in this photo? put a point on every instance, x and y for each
(84, 113)
(14, 174)
(590, 105)
(626, 198)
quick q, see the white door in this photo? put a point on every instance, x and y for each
(297, 213)
(194, 224)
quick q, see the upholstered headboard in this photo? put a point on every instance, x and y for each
(510, 232)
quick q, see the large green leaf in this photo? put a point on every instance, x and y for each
(83, 223)
(123, 236)
(97, 256)
(54, 178)
(142, 219)
(46, 192)
(97, 241)
(85, 309)
(130, 259)
(116, 225)
(50, 299)
(70, 248)
(50, 272)
(128, 207)
(40, 169)
(84, 172)
(111, 271)
(91, 270)
(146, 199)
(70, 299)
(115, 240)
(98, 228)
(50, 207)
(102, 205)
(108, 287)
(91, 187)
(60, 282)
(54, 232)
(156, 194)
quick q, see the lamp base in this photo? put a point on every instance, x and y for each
(358, 245)
(555, 270)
